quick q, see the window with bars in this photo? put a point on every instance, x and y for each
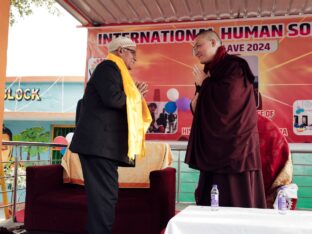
(60, 130)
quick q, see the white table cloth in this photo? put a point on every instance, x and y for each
(232, 220)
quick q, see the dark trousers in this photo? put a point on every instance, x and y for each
(101, 183)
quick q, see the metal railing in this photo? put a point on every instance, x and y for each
(17, 147)
(295, 148)
(176, 146)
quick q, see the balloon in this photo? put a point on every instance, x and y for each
(172, 94)
(183, 104)
(60, 140)
(170, 107)
(63, 150)
(69, 137)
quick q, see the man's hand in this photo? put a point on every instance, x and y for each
(142, 87)
(199, 75)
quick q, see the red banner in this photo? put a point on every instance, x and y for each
(278, 51)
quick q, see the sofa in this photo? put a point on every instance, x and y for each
(52, 206)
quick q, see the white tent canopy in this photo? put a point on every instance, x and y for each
(112, 12)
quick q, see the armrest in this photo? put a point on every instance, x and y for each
(163, 194)
(40, 179)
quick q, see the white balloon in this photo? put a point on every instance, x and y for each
(69, 137)
(173, 94)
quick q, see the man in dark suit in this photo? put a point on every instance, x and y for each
(101, 135)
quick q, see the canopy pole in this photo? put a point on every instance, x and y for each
(4, 29)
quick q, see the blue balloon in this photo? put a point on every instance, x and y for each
(170, 107)
(63, 150)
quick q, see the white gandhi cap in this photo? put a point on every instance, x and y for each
(120, 42)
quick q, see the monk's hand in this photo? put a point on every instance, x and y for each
(199, 75)
(194, 102)
(142, 87)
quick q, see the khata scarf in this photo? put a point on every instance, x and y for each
(139, 117)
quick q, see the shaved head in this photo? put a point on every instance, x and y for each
(206, 45)
(210, 35)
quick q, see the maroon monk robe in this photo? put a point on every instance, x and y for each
(224, 140)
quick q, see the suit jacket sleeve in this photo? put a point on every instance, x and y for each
(108, 82)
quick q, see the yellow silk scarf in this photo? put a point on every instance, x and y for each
(139, 117)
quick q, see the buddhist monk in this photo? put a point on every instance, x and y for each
(224, 140)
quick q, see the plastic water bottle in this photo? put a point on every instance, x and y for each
(214, 195)
(282, 201)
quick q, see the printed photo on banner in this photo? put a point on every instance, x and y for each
(302, 122)
(164, 118)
